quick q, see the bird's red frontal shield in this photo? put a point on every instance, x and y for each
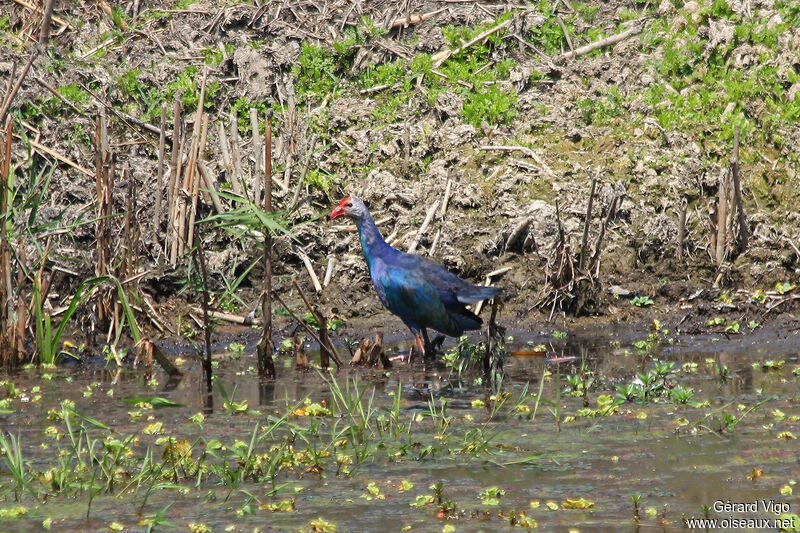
(338, 211)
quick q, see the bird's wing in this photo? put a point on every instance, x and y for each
(412, 298)
(452, 289)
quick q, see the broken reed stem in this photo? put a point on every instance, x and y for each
(566, 33)
(200, 256)
(681, 228)
(9, 97)
(300, 358)
(47, 15)
(722, 218)
(236, 156)
(10, 84)
(266, 365)
(189, 179)
(602, 43)
(302, 177)
(594, 266)
(171, 240)
(6, 346)
(329, 271)
(424, 227)
(414, 19)
(18, 339)
(587, 221)
(440, 57)
(744, 233)
(320, 319)
(306, 327)
(162, 141)
(136, 232)
(324, 353)
(205, 174)
(257, 184)
(104, 169)
(446, 198)
(125, 267)
(309, 268)
(518, 231)
(226, 155)
(435, 242)
(196, 177)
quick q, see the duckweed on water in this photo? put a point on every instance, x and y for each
(423, 451)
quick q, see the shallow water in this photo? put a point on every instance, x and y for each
(677, 457)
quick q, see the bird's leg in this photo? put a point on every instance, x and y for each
(420, 345)
(428, 349)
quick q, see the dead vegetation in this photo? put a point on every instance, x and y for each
(530, 140)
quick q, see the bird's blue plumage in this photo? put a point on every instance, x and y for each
(420, 292)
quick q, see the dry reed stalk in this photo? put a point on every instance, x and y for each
(323, 337)
(196, 177)
(10, 84)
(594, 265)
(209, 184)
(104, 170)
(200, 256)
(329, 271)
(424, 227)
(174, 176)
(309, 268)
(324, 352)
(9, 97)
(300, 357)
(47, 15)
(588, 220)
(743, 234)
(446, 198)
(301, 179)
(226, 156)
(257, 154)
(18, 339)
(722, 219)
(236, 155)
(266, 364)
(162, 140)
(681, 228)
(305, 326)
(126, 268)
(6, 345)
(188, 180)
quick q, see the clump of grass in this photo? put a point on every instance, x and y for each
(490, 105)
(317, 71)
(214, 56)
(241, 107)
(187, 83)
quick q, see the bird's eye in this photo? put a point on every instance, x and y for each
(349, 204)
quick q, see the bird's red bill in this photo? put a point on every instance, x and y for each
(338, 211)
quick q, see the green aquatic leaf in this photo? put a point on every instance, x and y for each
(155, 401)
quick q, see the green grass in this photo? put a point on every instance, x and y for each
(317, 71)
(241, 107)
(490, 105)
(75, 94)
(187, 83)
(129, 86)
(214, 56)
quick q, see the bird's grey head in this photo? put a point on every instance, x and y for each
(349, 207)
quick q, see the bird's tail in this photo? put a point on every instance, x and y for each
(466, 320)
(477, 293)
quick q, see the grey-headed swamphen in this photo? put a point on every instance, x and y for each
(420, 292)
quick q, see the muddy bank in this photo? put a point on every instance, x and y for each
(482, 108)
